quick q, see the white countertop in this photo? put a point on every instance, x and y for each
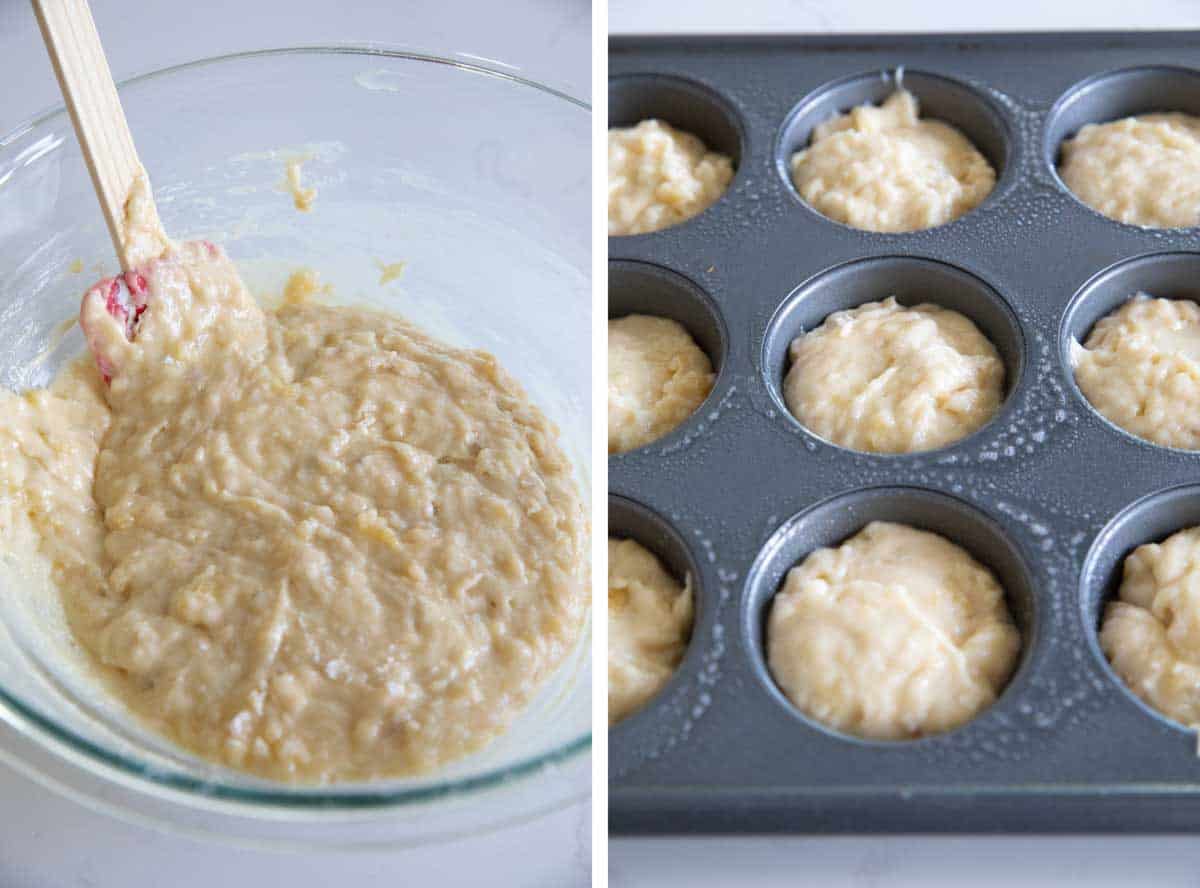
(776, 862)
(49, 842)
(879, 16)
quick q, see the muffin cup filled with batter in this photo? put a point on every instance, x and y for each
(666, 347)
(659, 176)
(887, 378)
(889, 613)
(673, 149)
(650, 615)
(1131, 343)
(894, 634)
(893, 355)
(1138, 593)
(1127, 145)
(1151, 633)
(661, 619)
(897, 153)
(657, 378)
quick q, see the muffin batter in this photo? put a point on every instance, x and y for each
(888, 379)
(659, 176)
(657, 377)
(312, 544)
(649, 623)
(883, 169)
(895, 634)
(1142, 170)
(302, 198)
(1152, 633)
(1140, 367)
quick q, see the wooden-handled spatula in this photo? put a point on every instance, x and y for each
(91, 97)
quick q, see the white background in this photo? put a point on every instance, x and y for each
(901, 861)
(47, 842)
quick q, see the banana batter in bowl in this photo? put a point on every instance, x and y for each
(313, 544)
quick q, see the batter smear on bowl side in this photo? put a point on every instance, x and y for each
(313, 544)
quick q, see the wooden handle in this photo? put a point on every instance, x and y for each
(91, 96)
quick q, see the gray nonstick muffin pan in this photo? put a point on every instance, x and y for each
(1049, 495)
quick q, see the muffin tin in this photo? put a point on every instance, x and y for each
(1049, 495)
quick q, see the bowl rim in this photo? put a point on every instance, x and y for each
(463, 61)
(351, 797)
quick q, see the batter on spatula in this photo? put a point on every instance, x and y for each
(313, 544)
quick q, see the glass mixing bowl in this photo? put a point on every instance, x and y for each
(474, 178)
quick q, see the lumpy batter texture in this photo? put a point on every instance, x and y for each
(659, 176)
(882, 168)
(888, 379)
(1142, 170)
(1151, 634)
(657, 377)
(649, 623)
(1140, 367)
(894, 634)
(312, 544)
